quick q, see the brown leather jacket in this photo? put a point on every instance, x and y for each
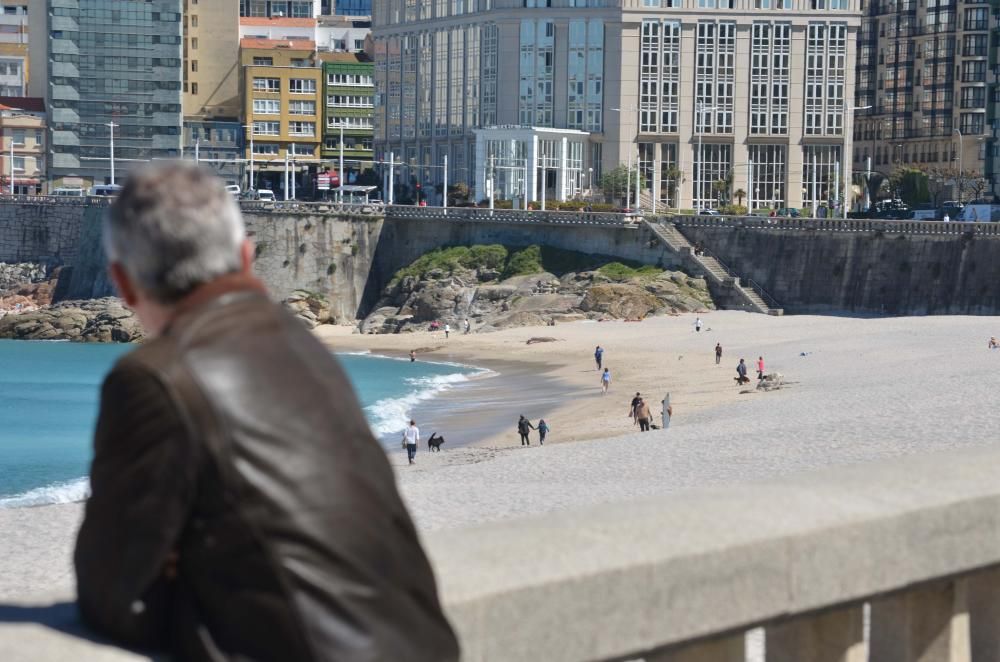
(241, 509)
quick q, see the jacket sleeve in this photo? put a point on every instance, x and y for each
(142, 483)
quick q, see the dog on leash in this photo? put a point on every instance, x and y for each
(434, 443)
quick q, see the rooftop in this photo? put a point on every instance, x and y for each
(278, 21)
(268, 44)
(30, 104)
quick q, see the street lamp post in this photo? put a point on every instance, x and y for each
(249, 128)
(112, 126)
(340, 176)
(628, 172)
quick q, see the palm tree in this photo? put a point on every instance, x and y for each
(740, 194)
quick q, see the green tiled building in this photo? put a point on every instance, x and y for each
(348, 101)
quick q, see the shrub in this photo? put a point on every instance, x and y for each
(525, 261)
(619, 272)
(493, 256)
(734, 210)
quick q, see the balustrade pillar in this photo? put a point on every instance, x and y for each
(833, 636)
(926, 624)
(724, 649)
(983, 595)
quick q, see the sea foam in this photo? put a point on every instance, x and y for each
(392, 414)
(69, 491)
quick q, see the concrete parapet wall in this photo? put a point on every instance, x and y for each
(867, 267)
(32, 232)
(685, 576)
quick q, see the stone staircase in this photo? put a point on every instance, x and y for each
(715, 272)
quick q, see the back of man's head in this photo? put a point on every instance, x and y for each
(173, 228)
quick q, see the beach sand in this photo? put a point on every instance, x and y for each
(857, 391)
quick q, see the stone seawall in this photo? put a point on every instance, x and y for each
(329, 255)
(48, 234)
(880, 272)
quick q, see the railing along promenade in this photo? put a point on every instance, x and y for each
(841, 225)
(895, 561)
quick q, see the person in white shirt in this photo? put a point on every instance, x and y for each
(447, 330)
(411, 435)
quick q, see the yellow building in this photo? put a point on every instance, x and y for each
(282, 89)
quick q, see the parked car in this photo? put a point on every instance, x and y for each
(709, 212)
(788, 212)
(233, 190)
(105, 190)
(265, 195)
(69, 192)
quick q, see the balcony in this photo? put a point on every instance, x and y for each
(976, 25)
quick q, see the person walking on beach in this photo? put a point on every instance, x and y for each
(605, 381)
(598, 356)
(411, 436)
(523, 428)
(697, 325)
(413, 355)
(447, 330)
(994, 344)
(718, 353)
(642, 415)
(631, 409)
(543, 429)
(668, 411)
(468, 327)
(760, 368)
(741, 372)
(240, 508)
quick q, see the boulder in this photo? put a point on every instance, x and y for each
(623, 301)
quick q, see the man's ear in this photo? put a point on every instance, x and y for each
(124, 285)
(246, 257)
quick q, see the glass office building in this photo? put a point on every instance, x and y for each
(352, 7)
(112, 62)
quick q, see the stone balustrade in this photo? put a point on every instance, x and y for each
(891, 562)
(577, 218)
(842, 225)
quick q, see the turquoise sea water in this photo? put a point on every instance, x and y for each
(48, 406)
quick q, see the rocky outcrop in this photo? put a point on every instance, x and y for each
(94, 320)
(26, 286)
(410, 303)
(310, 307)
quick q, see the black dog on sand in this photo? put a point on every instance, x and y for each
(434, 443)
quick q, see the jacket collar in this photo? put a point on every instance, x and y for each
(213, 291)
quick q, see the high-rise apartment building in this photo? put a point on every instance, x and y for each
(109, 66)
(279, 8)
(926, 70)
(752, 93)
(13, 47)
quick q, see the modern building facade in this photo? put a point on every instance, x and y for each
(348, 7)
(22, 134)
(928, 71)
(13, 48)
(751, 93)
(279, 8)
(282, 87)
(349, 103)
(111, 69)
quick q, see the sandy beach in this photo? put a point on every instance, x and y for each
(858, 391)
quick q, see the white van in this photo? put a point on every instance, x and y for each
(265, 195)
(105, 190)
(69, 192)
(233, 190)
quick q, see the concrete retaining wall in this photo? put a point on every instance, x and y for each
(30, 232)
(883, 271)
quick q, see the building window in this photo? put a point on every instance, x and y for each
(194, 20)
(977, 18)
(19, 137)
(266, 128)
(194, 88)
(302, 86)
(263, 61)
(265, 149)
(267, 84)
(194, 65)
(819, 174)
(770, 53)
(659, 77)
(19, 164)
(768, 180)
(715, 76)
(302, 128)
(349, 101)
(712, 164)
(826, 56)
(974, 45)
(585, 107)
(488, 75)
(350, 79)
(537, 54)
(302, 108)
(301, 62)
(333, 122)
(973, 123)
(194, 43)
(266, 107)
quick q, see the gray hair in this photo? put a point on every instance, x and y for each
(174, 227)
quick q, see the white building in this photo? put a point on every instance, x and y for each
(753, 93)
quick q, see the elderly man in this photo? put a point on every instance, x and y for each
(240, 508)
